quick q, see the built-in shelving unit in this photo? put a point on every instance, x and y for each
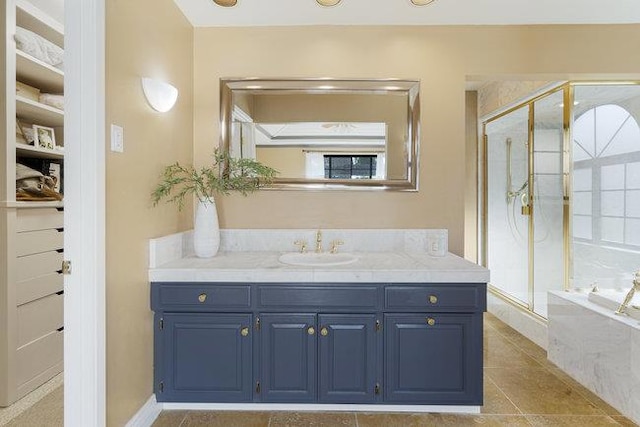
(32, 232)
(39, 113)
(26, 150)
(34, 72)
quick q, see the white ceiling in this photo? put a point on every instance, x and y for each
(205, 13)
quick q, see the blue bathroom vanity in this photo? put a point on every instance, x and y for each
(390, 329)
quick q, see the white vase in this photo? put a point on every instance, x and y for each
(206, 231)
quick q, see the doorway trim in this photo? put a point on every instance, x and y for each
(84, 219)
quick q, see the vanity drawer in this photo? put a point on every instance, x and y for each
(39, 318)
(198, 297)
(39, 219)
(30, 266)
(445, 297)
(38, 287)
(33, 242)
(38, 356)
(320, 297)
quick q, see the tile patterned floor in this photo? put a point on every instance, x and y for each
(521, 388)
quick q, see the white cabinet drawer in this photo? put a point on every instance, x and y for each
(30, 266)
(39, 219)
(38, 356)
(38, 287)
(33, 242)
(39, 318)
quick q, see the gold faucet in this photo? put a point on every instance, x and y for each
(334, 246)
(302, 244)
(627, 299)
(318, 241)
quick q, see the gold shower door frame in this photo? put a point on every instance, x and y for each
(567, 90)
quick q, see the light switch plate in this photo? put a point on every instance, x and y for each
(117, 139)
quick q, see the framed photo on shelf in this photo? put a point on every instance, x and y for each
(44, 137)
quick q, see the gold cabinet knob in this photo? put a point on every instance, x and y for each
(433, 299)
(244, 331)
(202, 297)
(431, 321)
(324, 332)
(311, 330)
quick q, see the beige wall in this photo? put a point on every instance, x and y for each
(441, 57)
(139, 43)
(288, 161)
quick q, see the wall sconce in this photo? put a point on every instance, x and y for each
(161, 95)
(328, 2)
(422, 2)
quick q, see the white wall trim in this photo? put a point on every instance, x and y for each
(320, 407)
(84, 219)
(147, 414)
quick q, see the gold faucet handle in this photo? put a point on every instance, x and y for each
(334, 246)
(302, 244)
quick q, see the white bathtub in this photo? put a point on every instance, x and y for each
(598, 348)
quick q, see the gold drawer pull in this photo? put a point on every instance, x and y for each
(431, 321)
(202, 297)
(433, 299)
(311, 330)
(244, 331)
(324, 332)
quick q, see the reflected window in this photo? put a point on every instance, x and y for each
(606, 179)
(349, 167)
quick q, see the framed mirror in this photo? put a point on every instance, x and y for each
(325, 133)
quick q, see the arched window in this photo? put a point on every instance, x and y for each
(606, 177)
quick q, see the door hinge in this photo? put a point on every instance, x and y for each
(378, 325)
(161, 386)
(66, 267)
(376, 389)
(257, 323)
(257, 387)
(161, 323)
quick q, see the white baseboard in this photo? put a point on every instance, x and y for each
(151, 409)
(319, 407)
(147, 414)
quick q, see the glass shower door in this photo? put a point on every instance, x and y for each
(548, 204)
(507, 220)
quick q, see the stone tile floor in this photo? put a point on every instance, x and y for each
(521, 388)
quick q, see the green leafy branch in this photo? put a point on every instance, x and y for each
(224, 175)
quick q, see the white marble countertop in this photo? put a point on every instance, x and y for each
(371, 267)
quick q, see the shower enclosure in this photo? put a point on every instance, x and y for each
(561, 202)
(524, 200)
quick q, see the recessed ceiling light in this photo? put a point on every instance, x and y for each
(422, 2)
(328, 2)
(226, 3)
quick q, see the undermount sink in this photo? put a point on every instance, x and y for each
(312, 259)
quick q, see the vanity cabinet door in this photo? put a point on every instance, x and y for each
(433, 358)
(348, 358)
(288, 355)
(207, 358)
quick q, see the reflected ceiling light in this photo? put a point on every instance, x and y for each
(226, 3)
(422, 2)
(328, 2)
(161, 95)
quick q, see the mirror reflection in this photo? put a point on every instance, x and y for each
(325, 133)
